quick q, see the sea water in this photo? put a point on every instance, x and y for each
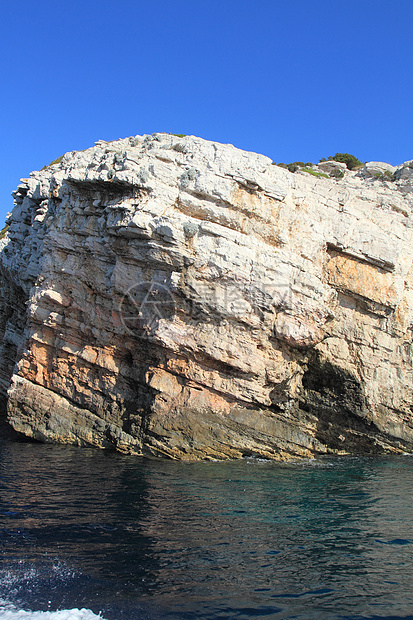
(88, 534)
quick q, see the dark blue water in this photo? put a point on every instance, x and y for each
(133, 538)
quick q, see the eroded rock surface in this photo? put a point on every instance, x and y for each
(173, 296)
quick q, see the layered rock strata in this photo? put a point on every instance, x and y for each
(178, 297)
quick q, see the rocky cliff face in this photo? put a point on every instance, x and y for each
(173, 296)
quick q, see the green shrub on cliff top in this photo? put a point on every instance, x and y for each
(351, 161)
(345, 158)
(293, 167)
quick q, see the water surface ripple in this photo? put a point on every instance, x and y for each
(136, 538)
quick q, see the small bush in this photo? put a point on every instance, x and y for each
(351, 161)
(299, 165)
(336, 173)
(291, 167)
(384, 176)
(179, 135)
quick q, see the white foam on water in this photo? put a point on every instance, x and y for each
(10, 612)
(23, 576)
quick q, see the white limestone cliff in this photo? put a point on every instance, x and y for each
(173, 296)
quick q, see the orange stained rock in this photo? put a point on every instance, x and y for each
(351, 275)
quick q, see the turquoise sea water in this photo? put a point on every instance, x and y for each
(131, 538)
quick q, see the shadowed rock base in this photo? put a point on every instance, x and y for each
(324, 424)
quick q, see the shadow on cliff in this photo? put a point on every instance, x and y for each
(7, 431)
(336, 398)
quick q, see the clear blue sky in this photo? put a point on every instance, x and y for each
(294, 80)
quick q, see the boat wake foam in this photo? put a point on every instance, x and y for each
(8, 611)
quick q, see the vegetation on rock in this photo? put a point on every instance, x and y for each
(314, 173)
(336, 174)
(384, 176)
(351, 161)
(55, 161)
(4, 230)
(293, 167)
